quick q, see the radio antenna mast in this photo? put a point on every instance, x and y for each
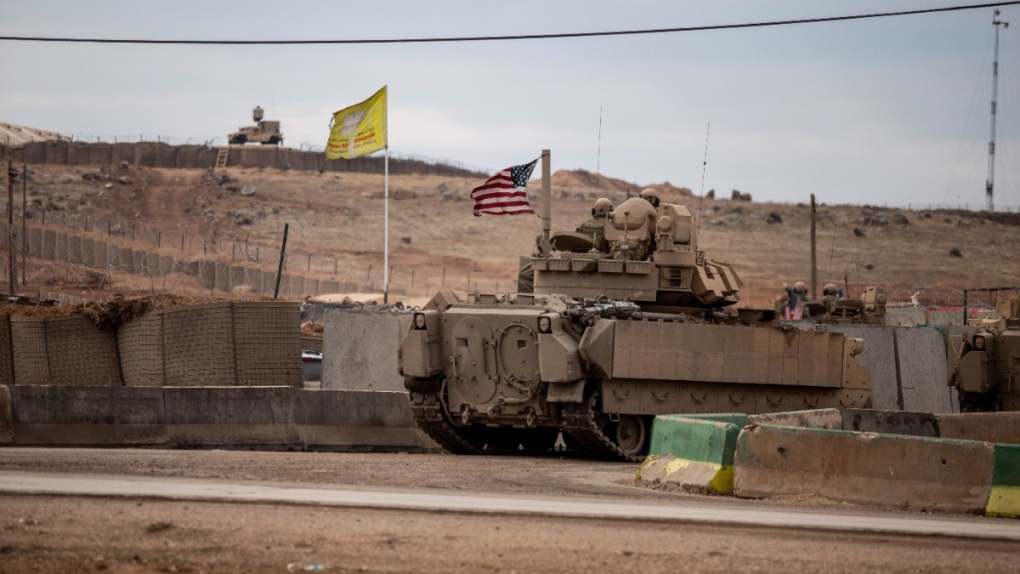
(598, 157)
(990, 182)
(704, 166)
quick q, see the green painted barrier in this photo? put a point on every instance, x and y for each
(693, 451)
(1004, 499)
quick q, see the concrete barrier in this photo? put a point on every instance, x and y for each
(1004, 499)
(220, 417)
(87, 416)
(908, 473)
(878, 360)
(360, 351)
(857, 420)
(694, 452)
(1001, 427)
(6, 418)
(921, 352)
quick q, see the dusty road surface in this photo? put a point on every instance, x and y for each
(49, 534)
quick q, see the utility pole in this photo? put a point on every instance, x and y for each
(11, 258)
(990, 182)
(814, 258)
(24, 224)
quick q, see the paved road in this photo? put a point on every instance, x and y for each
(494, 503)
(136, 511)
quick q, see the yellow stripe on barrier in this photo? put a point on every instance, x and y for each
(694, 473)
(1004, 501)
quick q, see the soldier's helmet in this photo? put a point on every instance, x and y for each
(651, 196)
(799, 287)
(602, 206)
(829, 289)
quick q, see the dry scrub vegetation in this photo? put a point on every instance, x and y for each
(338, 219)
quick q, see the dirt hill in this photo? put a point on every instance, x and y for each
(336, 229)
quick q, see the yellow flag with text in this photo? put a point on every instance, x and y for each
(359, 129)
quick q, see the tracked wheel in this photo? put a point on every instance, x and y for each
(631, 435)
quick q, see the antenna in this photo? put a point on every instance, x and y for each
(598, 157)
(704, 166)
(990, 182)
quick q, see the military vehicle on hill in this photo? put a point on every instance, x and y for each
(987, 370)
(265, 132)
(607, 340)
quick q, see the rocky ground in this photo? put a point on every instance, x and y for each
(336, 230)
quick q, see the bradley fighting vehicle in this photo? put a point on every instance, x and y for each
(606, 341)
(265, 132)
(987, 370)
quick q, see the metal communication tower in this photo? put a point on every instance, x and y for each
(990, 182)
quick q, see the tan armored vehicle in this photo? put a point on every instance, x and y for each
(606, 341)
(987, 370)
(265, 132)
(869, 308)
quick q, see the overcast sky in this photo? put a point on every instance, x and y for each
(890, 111)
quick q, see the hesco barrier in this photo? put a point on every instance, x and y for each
(210, 417)
(6, 351)
(231, 343)
(63, 350)
(155, 154)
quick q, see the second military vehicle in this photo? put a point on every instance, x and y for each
(265, 132)
(606, 341)
(987, 369)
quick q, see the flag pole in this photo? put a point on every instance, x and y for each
(386, 227)
(546, 196)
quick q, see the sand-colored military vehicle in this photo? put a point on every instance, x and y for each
(606, 341)
(265, 132)
(987, 370)
(868, 309)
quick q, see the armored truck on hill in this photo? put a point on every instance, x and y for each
(265, 132)
(608, 339)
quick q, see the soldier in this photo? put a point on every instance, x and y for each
(792, 304)
(651, 196)
(829, 296)
(595, 226)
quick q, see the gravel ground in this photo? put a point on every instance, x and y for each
(52, 534)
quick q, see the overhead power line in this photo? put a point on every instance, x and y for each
(507, 37)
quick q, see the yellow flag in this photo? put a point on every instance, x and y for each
(358, 130)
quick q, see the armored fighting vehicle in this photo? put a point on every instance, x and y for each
(607, 340)
(868, 309)
(987, 370)
(265, 132)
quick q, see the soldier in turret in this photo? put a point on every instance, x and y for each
(791, 305)
(829, 297)
(596, 224)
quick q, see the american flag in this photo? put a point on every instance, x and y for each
(504, 193)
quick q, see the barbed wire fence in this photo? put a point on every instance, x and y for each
(236, 255)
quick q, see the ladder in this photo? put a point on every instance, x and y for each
(221, 157)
